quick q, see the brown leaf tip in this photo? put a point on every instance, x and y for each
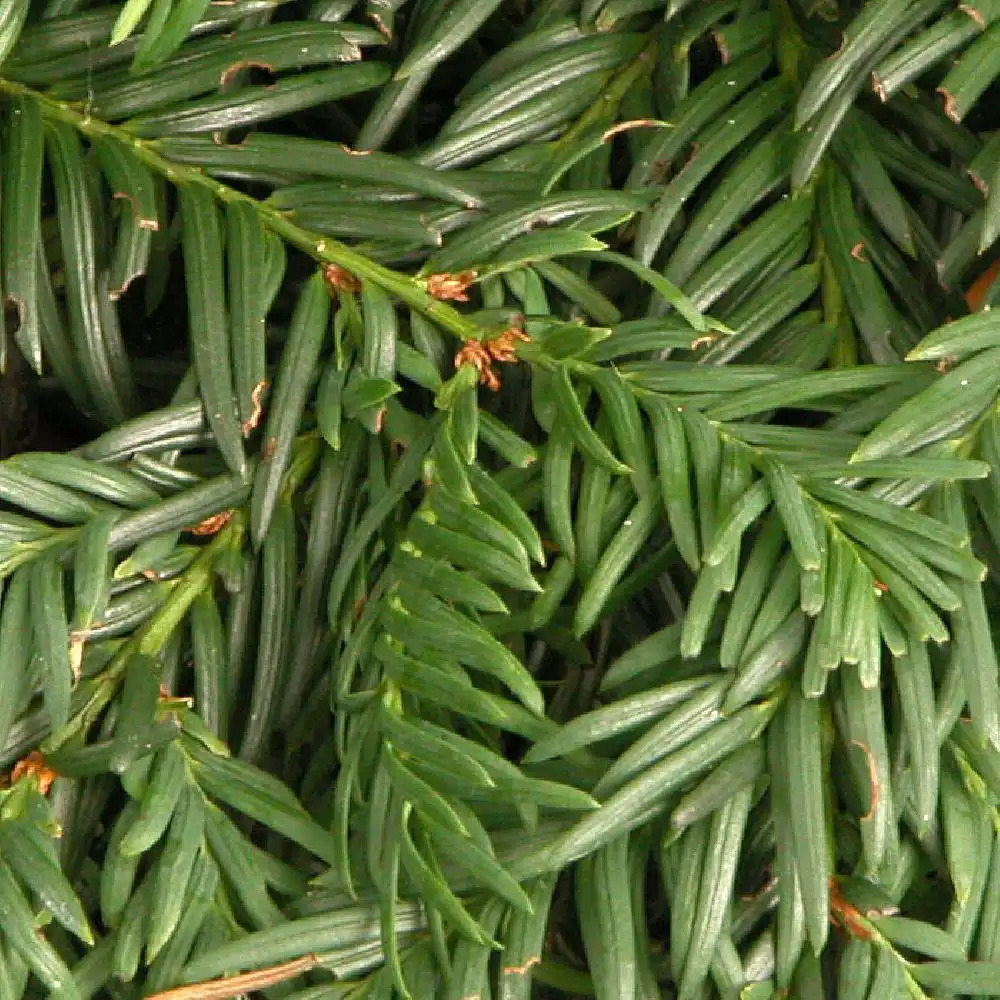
(705, 340)
(257, 402)
(847, 915)
(610, 133)
(879, 87)
(383, 29)
(951, 108)
(721, 43)
(153, 225)
(873, 777)
(230, 71)
(975, 14)
(522, 970)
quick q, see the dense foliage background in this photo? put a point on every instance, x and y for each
(499, 499)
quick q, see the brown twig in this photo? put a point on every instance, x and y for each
(232, 986)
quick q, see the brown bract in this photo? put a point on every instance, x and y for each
(212, 525)
(340, 279)
(34, 765)
(450, 287)
(504, 347)
(482, 354)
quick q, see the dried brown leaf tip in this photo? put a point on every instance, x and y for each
(975, 14)
(522, 970)
(153, 225)
(340, 279)
(608, 134)
(483, 354)
(705, 340)
(226, 76)
(450, 287)
(77, 641)
(383, 29)
(951, 108)
(257, 401)
(876, 786)
(879, 87)
(34, 765)
(212, 525)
